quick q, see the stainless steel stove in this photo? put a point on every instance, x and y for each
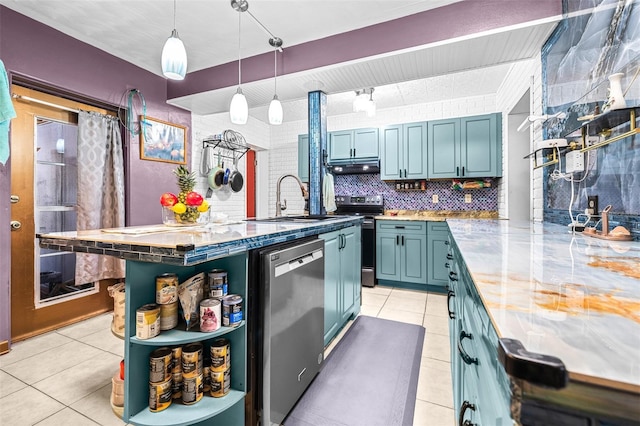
(368, 206)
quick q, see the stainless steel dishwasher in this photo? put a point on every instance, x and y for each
(293, 324)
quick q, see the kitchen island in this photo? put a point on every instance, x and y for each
(534, 292)
(186, 251)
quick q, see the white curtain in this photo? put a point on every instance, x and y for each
(100, 190)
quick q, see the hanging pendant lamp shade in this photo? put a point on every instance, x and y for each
(275, 111)
(174, 58)
(174, 55)
(239, 109)
(275, 107)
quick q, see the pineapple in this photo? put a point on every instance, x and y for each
(186, 183)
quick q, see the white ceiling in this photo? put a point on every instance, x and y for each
(135, 30)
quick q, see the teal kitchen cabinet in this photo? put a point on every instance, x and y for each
(401, 251)
(481, 389)
(437, 249)
(466, 147)
(342, 287)
(303, 158)
(403, 151)
(353, 145)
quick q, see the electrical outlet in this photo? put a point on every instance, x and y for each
(574, 162)
(592, 204)
(467, 198)
(434, 199)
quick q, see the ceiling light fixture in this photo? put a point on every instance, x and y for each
(364, 102)
(275, 107)
(239, 109)
(174, 55)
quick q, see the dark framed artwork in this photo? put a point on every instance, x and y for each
(162, 141)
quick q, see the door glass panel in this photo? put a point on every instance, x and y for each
(56, 190)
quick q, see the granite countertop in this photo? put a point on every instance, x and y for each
(561, 294)
(436, 215)
(189, 245)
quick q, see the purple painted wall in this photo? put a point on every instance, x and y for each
(454, 20)
(31, 49)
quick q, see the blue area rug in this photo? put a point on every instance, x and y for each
(370, 378)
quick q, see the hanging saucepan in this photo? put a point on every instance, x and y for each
(215, 176)
(236, 180)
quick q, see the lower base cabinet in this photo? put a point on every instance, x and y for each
(342, 278)
(401, 251)
(481, 389)
(140, 288)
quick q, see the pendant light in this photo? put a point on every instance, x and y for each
(239, 109)
(174, 55)
(370, 107)
(275, 107)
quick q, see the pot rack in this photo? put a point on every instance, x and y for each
(230, 144)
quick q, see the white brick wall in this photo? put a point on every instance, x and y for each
(256, 134)
(522, 76)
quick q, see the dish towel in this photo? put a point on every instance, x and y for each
(328, 194)
(6, 114)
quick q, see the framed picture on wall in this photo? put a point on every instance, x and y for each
(162, 141)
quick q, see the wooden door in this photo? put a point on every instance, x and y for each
(29, 318)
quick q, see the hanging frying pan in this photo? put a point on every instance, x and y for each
(236, 180)
(215, 176)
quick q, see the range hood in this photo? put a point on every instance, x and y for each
(355, 168)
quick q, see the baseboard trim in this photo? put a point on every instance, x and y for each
(4, 347)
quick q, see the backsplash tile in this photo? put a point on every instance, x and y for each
(449, 199)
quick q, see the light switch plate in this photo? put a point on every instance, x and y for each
(467, 198)
(435, 199)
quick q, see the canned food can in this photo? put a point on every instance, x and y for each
(160, 395)
(206, 378)
(231, 310)
(217, 283)
(177, 386)
(220, 355)
(160, 365)
(177, 359)
(220, 383)
(166, 288)
(191, 389)
(210, 315)
(168, 316)
(192, 360)
(148, 321)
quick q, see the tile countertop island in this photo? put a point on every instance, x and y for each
(570, 296)
(189, 245)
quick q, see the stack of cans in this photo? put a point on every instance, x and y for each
(220, 368)
(167, 298)
(160, 379)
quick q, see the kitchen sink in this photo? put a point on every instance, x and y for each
(296, 219)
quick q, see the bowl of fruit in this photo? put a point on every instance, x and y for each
(188, 208)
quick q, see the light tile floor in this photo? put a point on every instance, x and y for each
(64, 377)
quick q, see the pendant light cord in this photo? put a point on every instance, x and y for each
(275, 71)
(239, 49)
(174, 14)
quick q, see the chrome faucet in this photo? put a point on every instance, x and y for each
(283, 206)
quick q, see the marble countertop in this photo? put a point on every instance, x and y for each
(189, 245)
(561, 294)
(436, 215)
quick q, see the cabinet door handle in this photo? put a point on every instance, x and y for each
(397, 239)
(354, 154)
(453, 276)
(402, 240)
(468, 359)
(458, 171)
(399, 226)
(462, 170)
(449, 256)
(343, 241)
(463, 409)
(446, 265)
(446, 242)
(405, 173)
(450, 294)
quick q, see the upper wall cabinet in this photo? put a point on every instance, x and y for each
(403, 151)
(467, 147)
(353, 145)
(303, 157)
